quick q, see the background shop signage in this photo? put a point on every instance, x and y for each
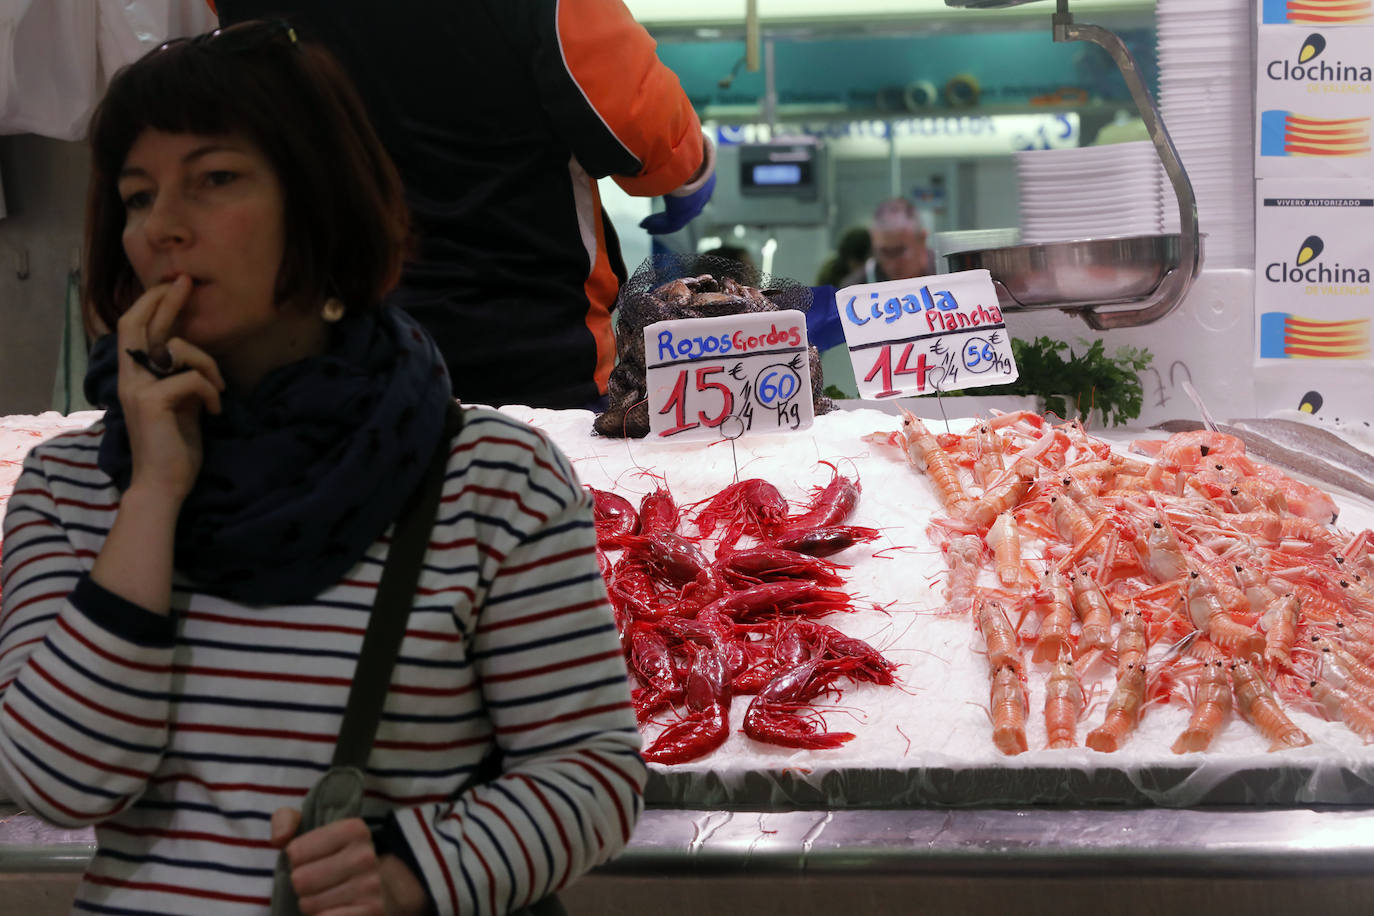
(969, 134)
(913, 337)
(714, 378)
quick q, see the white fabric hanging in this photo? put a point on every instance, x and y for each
(49, 80)
(130, 29)
(57, 55)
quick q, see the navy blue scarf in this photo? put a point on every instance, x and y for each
(302, 474)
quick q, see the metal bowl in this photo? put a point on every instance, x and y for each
(1075, 274)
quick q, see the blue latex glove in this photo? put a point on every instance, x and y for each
(823, 328)
(679, 211)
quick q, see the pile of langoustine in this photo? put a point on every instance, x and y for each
(1229, 576)
(730, 610)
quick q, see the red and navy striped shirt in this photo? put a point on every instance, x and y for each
(178, 736)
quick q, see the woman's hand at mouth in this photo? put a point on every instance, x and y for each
(164, 384)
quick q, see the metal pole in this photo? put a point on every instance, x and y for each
(751, 35)
(770, 89)
(894, 163)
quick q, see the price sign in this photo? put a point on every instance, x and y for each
(913, 337)
(704, 374)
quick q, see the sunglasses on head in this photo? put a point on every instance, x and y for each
(244, 37)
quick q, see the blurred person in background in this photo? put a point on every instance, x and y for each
(851, 252)
(500, 117)
(899, 251)
(747, 271)
(899, 245)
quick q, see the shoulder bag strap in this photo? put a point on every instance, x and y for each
(386, 626)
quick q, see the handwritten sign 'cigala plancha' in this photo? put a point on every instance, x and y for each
(703, 373)
(927, 334)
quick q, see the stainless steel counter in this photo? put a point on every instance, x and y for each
(971, 861)
(1041, 842)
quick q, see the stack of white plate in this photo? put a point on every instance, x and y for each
(1089, 192)
(1206, 74)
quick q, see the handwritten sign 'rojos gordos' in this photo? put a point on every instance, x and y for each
(918, 336)
(710, 378)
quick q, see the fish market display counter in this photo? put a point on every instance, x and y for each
(970, 861)
(917, 810)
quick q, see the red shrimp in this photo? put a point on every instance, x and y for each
(764, 564)
(707, 722)
(637, 594)
(789, 597)
(752, 506)
(614, 517)
(669, 555)
(651, 660)
(1256, 702)
(824, 542)
(775, 714)
(857, 659)
(830, 505)
(708, 586)
(657, 512)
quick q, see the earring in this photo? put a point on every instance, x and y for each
(333, 310)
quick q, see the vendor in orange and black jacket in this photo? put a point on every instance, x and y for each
(500, 117)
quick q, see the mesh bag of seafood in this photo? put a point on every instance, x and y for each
(667, 287)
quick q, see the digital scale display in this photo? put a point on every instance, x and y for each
(778, 174)
(778, 169)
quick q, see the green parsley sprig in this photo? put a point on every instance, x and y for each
(1088, 380)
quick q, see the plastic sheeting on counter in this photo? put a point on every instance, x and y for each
(1080, 778)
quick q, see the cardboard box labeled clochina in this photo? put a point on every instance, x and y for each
(1314, 102)
(1314, 255)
